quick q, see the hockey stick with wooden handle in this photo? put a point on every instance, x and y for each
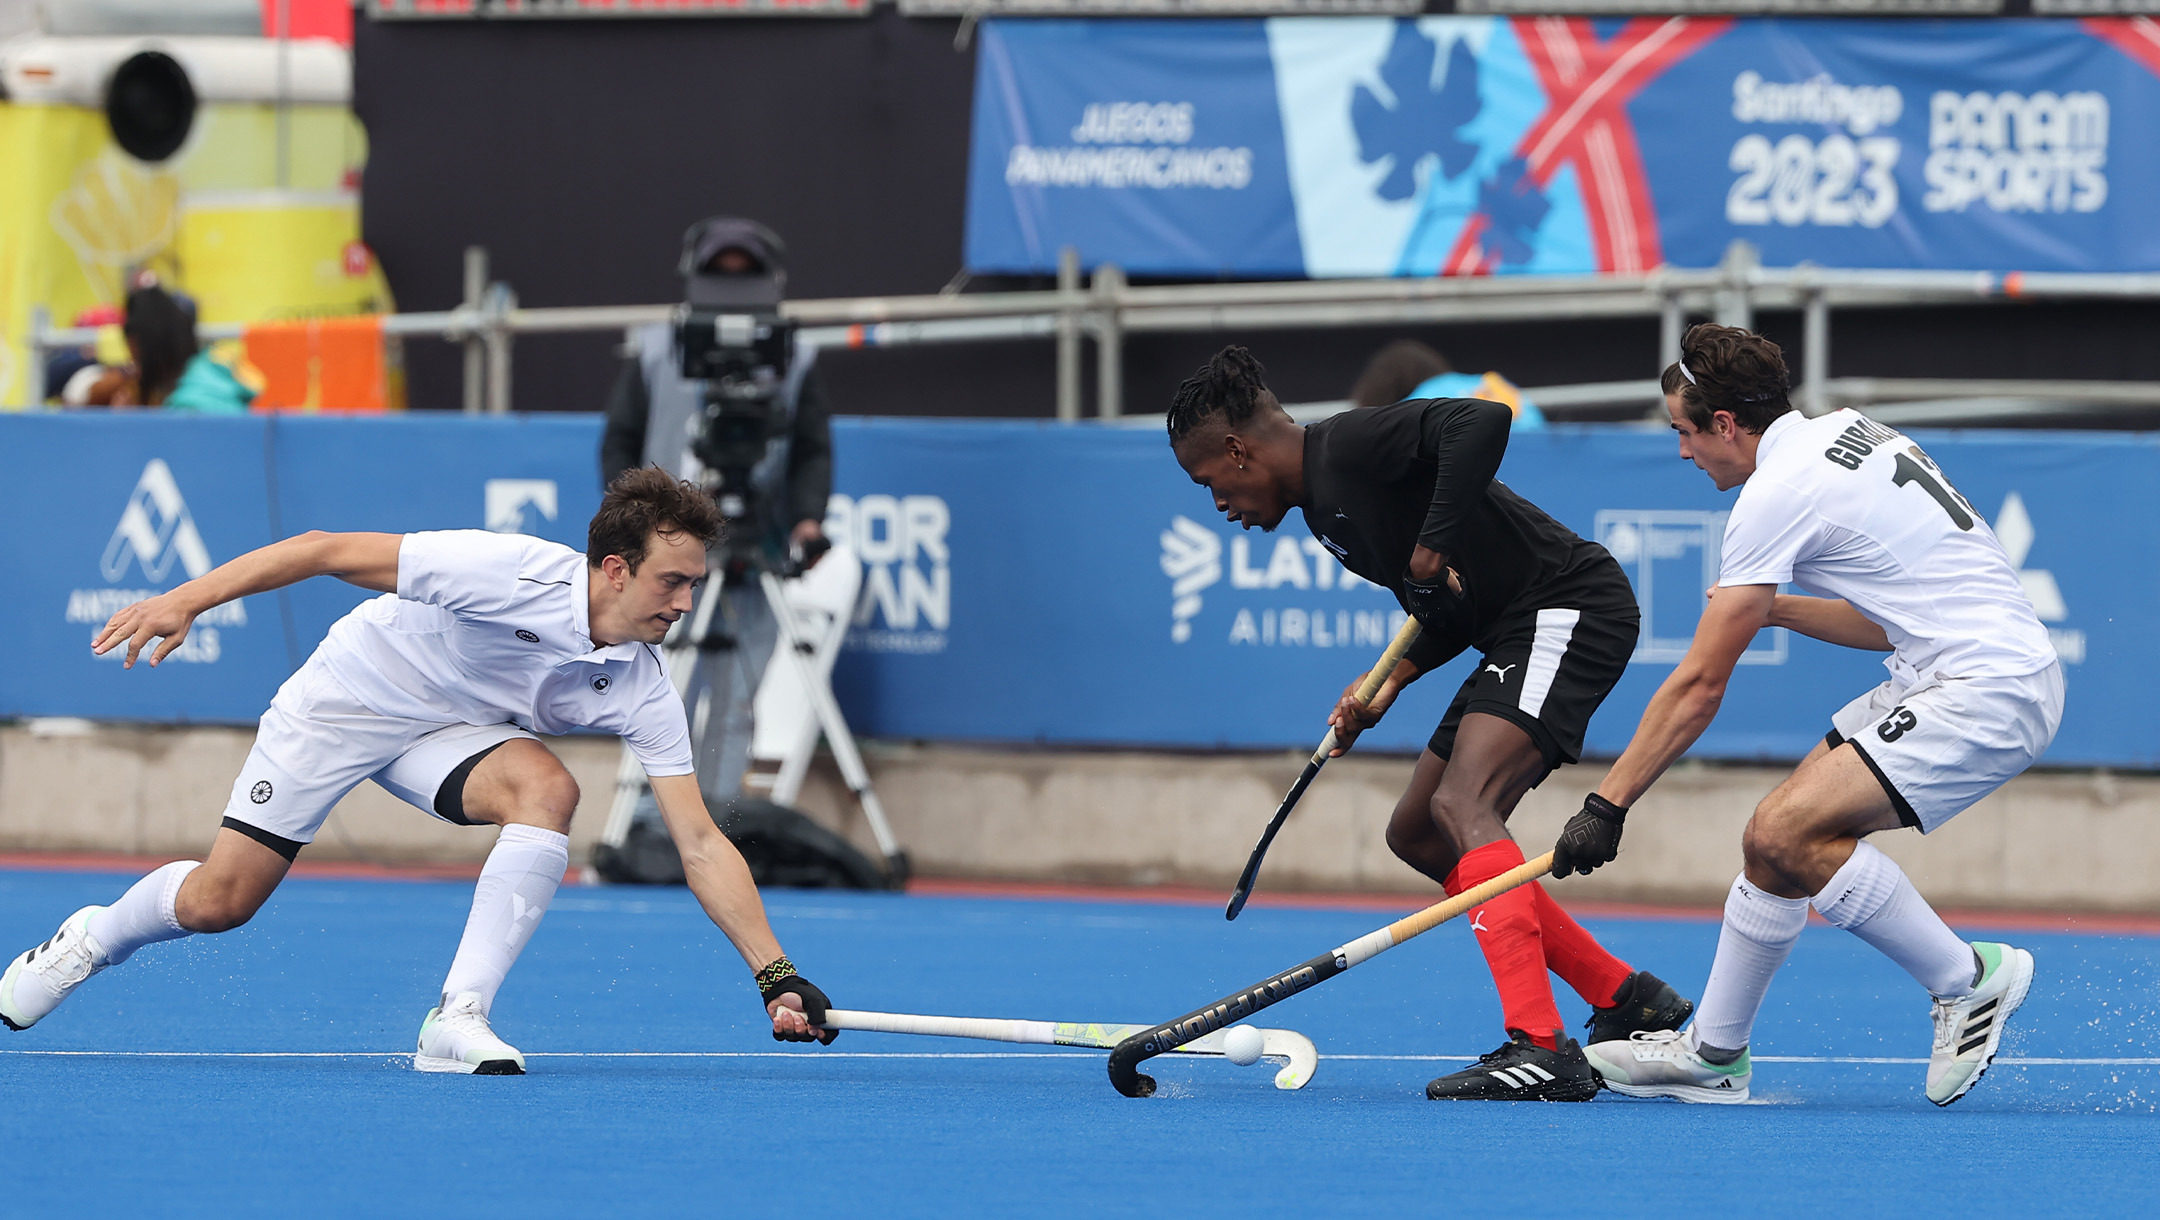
(1242, 1004)
(1365, 692)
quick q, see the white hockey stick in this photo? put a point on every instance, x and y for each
(1281, 1043)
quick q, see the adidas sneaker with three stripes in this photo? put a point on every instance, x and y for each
(1521, 1071)
(1968, 1028)
(1667, 1063)
(39, 978)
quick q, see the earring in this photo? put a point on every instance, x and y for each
(1241, 465)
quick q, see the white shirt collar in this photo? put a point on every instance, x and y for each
(581, 600)
(1777, 431)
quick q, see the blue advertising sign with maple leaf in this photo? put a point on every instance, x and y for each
(1487, 145)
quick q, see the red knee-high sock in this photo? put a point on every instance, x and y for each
(1575, 955)
(1507, 930)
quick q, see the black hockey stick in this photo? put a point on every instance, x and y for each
(1365, 692)
(1125, 1061)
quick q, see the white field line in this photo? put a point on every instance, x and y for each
(2005, 1061)
(2035, 1061)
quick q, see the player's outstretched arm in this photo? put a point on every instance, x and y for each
(367, 560)
(1678, 713)
(721, 880)
(1833, 620)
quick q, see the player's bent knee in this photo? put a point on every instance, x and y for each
(216, 919)
(554, 797)
(1770, 842)
(1410, 830)
(215, 908)
(545, 796)
(1404, 840)
(1455, 813)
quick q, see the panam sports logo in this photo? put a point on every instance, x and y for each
(1340, 610)
(906, 602)
(156, 542)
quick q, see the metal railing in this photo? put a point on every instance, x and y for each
(1106, 309)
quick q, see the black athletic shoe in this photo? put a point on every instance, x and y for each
(1521, 1071)
(1644, 1002)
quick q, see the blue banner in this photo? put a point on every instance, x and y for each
(105, 509)
(1023, 582)
(1031, 583)
(1320, 146)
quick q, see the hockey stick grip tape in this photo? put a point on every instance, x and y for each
(1389, 660)
(1239, 1005)
(1375, 678)
(1366, 690)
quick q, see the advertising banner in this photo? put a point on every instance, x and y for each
(1024, 583)
(106, 509)
(1030, 583)
(1373, 146)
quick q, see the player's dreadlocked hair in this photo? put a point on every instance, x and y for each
(1231, 384)
(1725, 368)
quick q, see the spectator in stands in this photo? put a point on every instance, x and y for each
(651, 417)
(1406, 369)
(70, 371)
(167, 366)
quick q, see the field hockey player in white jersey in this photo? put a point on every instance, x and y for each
(1846, 507)
(435, 691)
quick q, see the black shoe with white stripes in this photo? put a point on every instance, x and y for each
(1521, 1071)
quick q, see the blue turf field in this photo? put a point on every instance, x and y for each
(258, 1073)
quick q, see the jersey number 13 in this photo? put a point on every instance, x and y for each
(1913, 468)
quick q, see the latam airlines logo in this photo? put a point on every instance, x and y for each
(1192, 559)
(155, 536)
(1195, 559)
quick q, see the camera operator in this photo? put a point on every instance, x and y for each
(774, 494)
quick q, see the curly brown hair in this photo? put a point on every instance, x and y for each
(642, 500)
(1725, 368)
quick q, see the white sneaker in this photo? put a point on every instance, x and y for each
(1667, 1063)
(1968, 1028)
(456, 1038)
(37, 981)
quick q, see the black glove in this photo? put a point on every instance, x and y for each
(1434, 604)
(802, 556)
(814, 1003)
(1590, 838)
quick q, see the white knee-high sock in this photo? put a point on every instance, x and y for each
(1873, 899)
(1757, 937)
(144, 915)
(516, 886)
